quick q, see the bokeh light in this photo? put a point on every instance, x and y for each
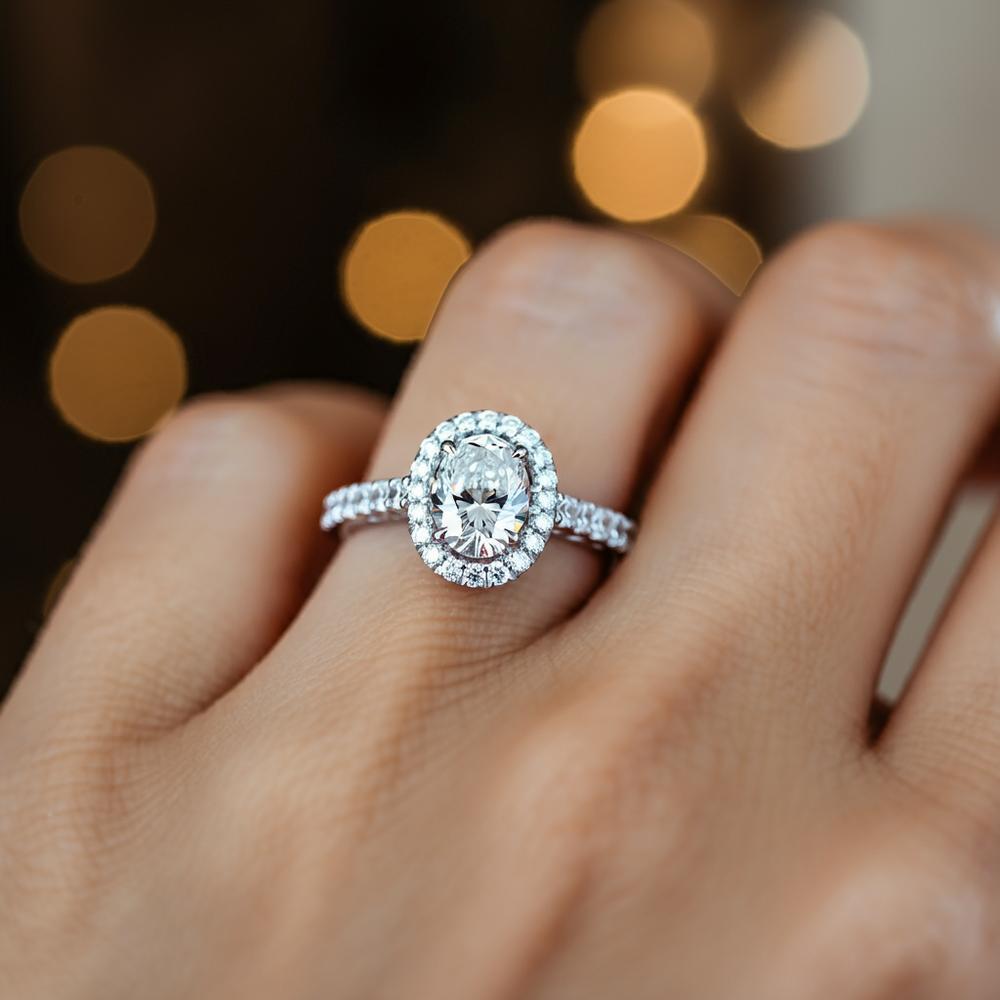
(660, 43)
(87, 214)
(717, 243)
(640, 154)
(396, 269)
(814, 87)
(116, 372)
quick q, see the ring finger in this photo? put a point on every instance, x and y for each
(587, 335)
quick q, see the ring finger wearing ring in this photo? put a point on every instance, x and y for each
(482, 501)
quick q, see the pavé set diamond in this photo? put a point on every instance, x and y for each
(481, 500)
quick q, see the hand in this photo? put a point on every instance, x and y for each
(222, 778)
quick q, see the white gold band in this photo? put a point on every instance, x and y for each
(384, 500)
(481, 501)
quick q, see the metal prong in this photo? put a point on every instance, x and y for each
(449, 447)
(520, 452)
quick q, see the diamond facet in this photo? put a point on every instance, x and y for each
(480, 497)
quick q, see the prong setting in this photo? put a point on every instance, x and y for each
(457, 440)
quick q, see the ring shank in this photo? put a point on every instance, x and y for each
(384, 500)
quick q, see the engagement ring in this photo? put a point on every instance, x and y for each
(482, 501)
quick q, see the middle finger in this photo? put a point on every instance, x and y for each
(820, 455)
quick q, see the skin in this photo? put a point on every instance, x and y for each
(237, 767)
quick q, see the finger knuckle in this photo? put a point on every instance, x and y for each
(899, 924)
(218, 434)
(888, 295)
(584, 789)
(562, 275)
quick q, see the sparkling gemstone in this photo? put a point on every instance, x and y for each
(542, 456)
(546, 500)
(480, 497)
(432, 555)
(445, 430)
(519, 561)
(534, 542)
(451, 569)
(510, 425)
(529, 437)
(543, 522)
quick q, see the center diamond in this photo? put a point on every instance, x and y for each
(480, 497)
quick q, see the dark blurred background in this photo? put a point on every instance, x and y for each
(205, 196)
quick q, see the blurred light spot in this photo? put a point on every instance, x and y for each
(813, 89)
(717, 243)
(87, 213)
(56, 586)
(116, 372)
(660, 43)
(640, 154)
(396, 269)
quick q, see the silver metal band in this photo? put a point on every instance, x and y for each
(385, 500)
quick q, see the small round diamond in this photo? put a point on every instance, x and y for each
(529, 437)
(520, 561)
(488, 420)
(497, 574)
(451, 569)
(546, 480)
(421, 534)
(543, 522)
(546, 499)
(465, 422)
(418, 513)
(445, 431)
(475, 576)
(542, 456)
(509, 426)
(533, 542)
(431, 554)
(569, 509)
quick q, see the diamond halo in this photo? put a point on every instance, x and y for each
(481, 496)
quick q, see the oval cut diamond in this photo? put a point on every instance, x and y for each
(480, 497)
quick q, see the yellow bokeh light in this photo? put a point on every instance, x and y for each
(814, 89)
(661, 43)
(87, 214)
(717, 243)
(640, 154)
(116, 372)
(396, 269)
